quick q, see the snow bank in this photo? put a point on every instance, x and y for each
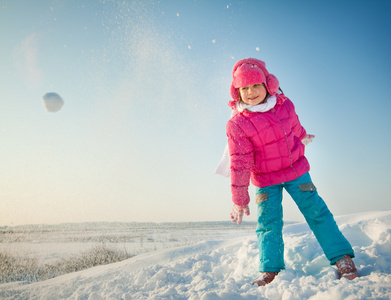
(225, 269)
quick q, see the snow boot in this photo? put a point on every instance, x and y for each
(266, 278)
(346, 268)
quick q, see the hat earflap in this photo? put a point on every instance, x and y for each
(272, 84)
(234, 93)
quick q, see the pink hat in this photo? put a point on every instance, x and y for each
(251, 71)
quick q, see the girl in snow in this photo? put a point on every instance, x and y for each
(266, 143)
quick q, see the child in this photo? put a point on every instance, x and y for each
(266, 143)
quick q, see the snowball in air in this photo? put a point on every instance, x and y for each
(53, 102)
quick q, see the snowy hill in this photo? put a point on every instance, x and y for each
(224, 269)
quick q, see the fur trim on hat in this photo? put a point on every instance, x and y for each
(243, 74)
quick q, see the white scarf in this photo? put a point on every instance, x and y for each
(224, 166)
(263, 107)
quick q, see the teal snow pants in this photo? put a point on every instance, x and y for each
(316, 213)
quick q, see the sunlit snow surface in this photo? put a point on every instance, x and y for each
(223, 267)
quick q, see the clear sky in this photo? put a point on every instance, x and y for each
(145, 86)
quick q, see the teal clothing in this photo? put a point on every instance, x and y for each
(316, 213)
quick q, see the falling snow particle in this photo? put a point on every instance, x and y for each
(53, 102)
(257, 48)
(214, 41)
(189, 47)
(177, 14)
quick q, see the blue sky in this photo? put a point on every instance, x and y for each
(146, 85)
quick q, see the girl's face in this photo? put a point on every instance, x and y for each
(253, 94)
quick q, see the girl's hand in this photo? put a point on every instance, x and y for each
(237, 213)
(308, 139)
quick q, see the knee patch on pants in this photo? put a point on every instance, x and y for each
(307, 187)
(259, 198)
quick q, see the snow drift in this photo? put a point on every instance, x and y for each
(224, 269)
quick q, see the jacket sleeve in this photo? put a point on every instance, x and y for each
(242, 159)
(297, 129)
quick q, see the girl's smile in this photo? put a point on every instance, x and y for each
(253, 94)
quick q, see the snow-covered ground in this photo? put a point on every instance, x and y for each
(50, 243)
(223, 267)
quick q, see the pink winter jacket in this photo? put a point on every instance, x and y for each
(265, 147)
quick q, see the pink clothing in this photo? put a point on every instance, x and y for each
(250, 71)
(265, 147)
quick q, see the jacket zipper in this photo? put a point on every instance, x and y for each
(286, 138)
